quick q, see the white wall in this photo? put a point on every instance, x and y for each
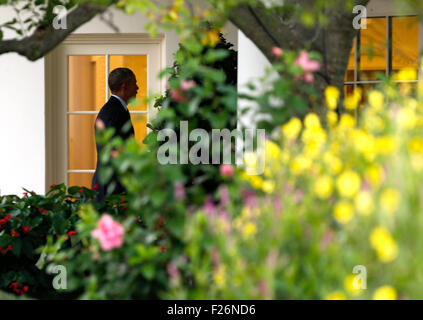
(22, 120)
(22, 155)
(251, 66)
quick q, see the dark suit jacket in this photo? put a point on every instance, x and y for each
(113, 114)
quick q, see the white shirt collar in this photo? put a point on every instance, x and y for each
(121, 101)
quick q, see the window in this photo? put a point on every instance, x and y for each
(388, 45)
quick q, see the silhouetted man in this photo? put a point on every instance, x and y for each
(115, 114)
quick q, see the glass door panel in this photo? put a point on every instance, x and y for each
(405, 43)
(373, 49)
(86, 83)
(82, 179)
(81, 142)
(138, 64)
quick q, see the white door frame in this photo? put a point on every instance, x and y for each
(55, 111)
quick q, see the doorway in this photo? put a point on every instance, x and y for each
(76, 90)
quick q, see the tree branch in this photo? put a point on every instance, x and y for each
(43, 40)
(333, 41)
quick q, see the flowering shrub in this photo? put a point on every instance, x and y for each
(333, 197)
(25, 225)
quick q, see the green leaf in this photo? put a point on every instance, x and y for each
(193, 46)
(215, 55)
(59, 224)
(28, 249)
(17, 245)
(158, 197)
(148, 271)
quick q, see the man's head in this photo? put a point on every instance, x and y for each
(123, 83)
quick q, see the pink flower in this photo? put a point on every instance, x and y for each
(304, 62)
(109, 232)
(298, 196)
(187, 84)
(177, 95)
(227, 170)
(308, 77)
(307, 65)
(277, 204)
(224, 195)
(172, 270)
(277, 52)
(208, 206)
(179, 191)
(250, 198)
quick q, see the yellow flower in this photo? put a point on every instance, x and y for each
(347, 121)
(364, 143)
(389, 200)
(256, 181)
(364, 203)
(375, 175)
(300, 164)
(348, 183)
(384, 244)
(314, 135)
(406, 74)
(272, 150)
(291, 129)
(385, 293)
(373, 122)
(415, 145)
(334, 163)
(406, 118)
(268, 186)
(351, 102)
(249, 229)
(173, 15)
(343, 212)
(312, 121)
(386, 145)
(376, 100)
(332, 96)
(220, 276)
(349, 285)
(323, 187)
(337, 295)
(417, 162)
(250, 160)
(332, 118)
(211, 38)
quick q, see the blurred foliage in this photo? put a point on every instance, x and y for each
(338, 196)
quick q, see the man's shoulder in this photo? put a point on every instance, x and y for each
(109, 107)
